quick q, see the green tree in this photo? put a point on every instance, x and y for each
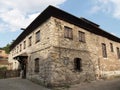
(7, 48)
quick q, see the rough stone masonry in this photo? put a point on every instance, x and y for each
(70, 50)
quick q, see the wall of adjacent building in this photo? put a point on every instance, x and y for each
(3, 54)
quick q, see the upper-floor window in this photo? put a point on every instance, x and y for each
(20, 47)
(81, 36)
(68, 33)
(37, 36)
(37, 65)
(111, 47)
(118, 53)
(104, 51)
(24, 44)
(30, 41)
(17, 49)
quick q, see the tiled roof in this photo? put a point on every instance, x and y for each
(4, 62)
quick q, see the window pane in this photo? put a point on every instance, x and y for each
(20, 47)
(118, 53)
(111, 47)
(30, 41)
(37, 65)
(24, 44)
(37, 36)
(81, 36)
(68, 33)
(104, 52)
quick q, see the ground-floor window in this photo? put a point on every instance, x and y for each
(77, 64)
(37, 65)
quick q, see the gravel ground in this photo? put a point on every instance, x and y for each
(19, 84)
(98, 85)
(24, 84)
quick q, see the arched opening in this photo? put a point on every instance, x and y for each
(77, 64)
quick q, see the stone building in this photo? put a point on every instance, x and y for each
(4, 60)
(3, 55)
(4, 63)
(58, 48)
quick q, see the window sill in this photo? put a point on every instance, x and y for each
(82, 41)
(36, 72)
(105, 58)
(68, 38)
(37, 41)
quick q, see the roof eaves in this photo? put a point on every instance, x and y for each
(60, 14)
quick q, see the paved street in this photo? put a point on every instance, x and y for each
(19, 84)
(23, 84)
(98, 85)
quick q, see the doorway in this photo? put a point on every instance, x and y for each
(23, 65)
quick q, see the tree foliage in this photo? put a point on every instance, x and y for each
(7, 48)
(3, 68)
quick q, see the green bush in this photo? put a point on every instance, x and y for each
(3, 68)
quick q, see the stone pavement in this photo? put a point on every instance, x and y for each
(19, 84)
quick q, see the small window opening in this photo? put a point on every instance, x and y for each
(77, 64)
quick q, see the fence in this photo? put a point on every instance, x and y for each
(9, 73)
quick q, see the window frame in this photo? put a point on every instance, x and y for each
(30, 41)
(68, 32)
(24, 43)
(118, 52)
(17, 49)
(37, 36)
(78, 64)
(111, 47)
(20, 47)
(81, 36)
(104, 50)
(36, 67)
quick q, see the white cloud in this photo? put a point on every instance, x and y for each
(111, 7)
(113, 33)
(95, 9)
(15, 14)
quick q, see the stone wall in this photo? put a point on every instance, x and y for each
(105, 67)
(53, 70)
(44, 74)
(63, 72)
(102, 66)
(66, 48)
(90, 52)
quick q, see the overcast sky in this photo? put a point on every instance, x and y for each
(16, 14)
